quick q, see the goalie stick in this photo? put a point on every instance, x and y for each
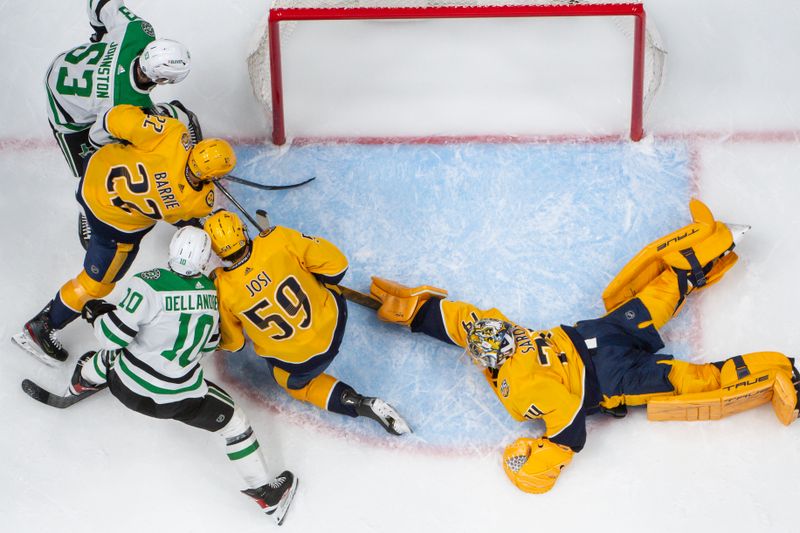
(53, 400)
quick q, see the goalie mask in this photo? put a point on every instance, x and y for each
(490, 342)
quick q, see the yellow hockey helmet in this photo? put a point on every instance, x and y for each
(228, 233)
(490, 342)
(210, 159)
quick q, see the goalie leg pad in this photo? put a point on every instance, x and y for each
(784, 399)
(694, 252)
(745, 382)
(533, 465)
(400, 304)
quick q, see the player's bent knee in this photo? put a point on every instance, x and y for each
(400, 304)
(237, 426)
(697, 253)
(76, 292)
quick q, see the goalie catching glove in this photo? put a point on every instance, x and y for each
(533, 465)
(400, 304)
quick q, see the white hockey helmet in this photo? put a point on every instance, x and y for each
(165, 61)
(189, 251)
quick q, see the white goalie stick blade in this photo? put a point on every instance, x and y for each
(24, 341)
(283, 505)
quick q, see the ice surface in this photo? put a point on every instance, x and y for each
(535, 228)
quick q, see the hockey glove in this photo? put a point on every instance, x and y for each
(99, 33)
(94, 308)
(533, 465)
(192, 122)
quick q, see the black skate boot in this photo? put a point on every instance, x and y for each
(40, 339)
(78, 385)
(378, 410)
(84, 231)
(276, 496)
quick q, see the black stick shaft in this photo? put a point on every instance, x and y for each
(238, 205)
(354, 296)
(264, 187)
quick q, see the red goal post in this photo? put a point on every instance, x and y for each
(286, 11)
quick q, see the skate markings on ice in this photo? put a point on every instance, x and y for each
(536, 230)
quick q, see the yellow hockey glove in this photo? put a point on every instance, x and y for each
(399, 304)
(533, 465)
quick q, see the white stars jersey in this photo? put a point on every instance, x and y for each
(84, 82)
(161, 329)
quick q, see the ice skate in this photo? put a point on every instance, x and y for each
(378, 410)
(276, 496)
(40, 339)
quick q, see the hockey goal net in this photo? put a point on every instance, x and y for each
(265, 61)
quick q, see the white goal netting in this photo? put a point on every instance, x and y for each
(258, 59)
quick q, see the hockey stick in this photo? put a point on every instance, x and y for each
(354, 296)
(263, 187)
(53, 400)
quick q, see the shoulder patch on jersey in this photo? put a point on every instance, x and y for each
(267, 231)
(210, 198)
(147, 28)
(186, 141)
(150, 274)
(504, 389)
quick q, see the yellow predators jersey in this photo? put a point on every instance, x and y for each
(132, 186)
(278, 298)
(543, 378)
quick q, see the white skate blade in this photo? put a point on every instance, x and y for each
(283, 505)
(24, 341)
(390, 417)
(738, 231)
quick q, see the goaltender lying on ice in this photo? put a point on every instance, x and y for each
(563, 374)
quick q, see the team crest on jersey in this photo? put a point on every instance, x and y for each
(147, 28)
(504, 389)
(210, 198)
(151, 274)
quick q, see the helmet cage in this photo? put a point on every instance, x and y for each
(489, 342)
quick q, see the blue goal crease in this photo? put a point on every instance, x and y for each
(536, 230)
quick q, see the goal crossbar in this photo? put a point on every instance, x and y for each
(278, 15)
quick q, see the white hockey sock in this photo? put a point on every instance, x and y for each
(242, 448)
(94, 369)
